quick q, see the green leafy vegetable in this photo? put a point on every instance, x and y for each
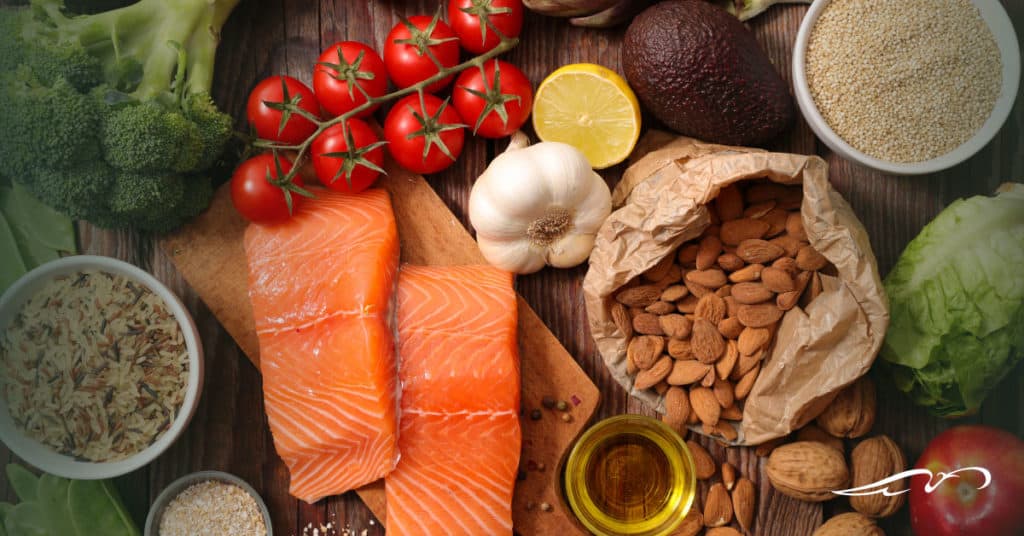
(957, 304)
(108, 116)
(30, 233)
(13, 265)
(54, 506)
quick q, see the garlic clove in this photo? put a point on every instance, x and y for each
(570, 250)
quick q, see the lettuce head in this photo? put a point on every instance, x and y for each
(957, 303)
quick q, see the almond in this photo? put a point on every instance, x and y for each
(680, 349)
(645, 350)
(872, 460)
(661, 387)
(714, 230)
(640, 296)
(717, 507)
(692, 525)
(788, 264)
(759, 210)
(849, 524)
(813, 433)
(687, 371)
(677, 408)
(711, 308)
(660, 270)
(753, 340)
(688, 254)
(756, 251)
(746, 363)
(807, 470)
(674, 293)
(809, 259)
(731, 413)
(647, 324)
(724, 291)
(730, 262)
(746, 274)
(746, 383)
(814, 289)
(675, 325)
(728, 361)
(789, 244)
(706, 341)
(776, 219)
(731, 305)
(765, 449)
(730, 328)
(620, 315)
(711, 278)
(795, 226)
(759, 315)
(692, 419)
(708, 250)
(787, 300)
(687, 304)
(705, 405)
(736, 231)
(646, 379)
(852, 412)
(723, 392)
(674, 275)
(722, 531)
(698, 290)
(751, 292)
(660, 308)
(729, 203)
(703, 463)
(743, 503)
(760, 192)
(777, 280)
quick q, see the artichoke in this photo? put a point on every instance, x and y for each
(607, 13)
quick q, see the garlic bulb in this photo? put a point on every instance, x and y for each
(538, 205)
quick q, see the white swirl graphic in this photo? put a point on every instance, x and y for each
(882, 486)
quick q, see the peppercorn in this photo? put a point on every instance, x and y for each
(548, 402)
(535, 414)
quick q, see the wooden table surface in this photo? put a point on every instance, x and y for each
(266, 37)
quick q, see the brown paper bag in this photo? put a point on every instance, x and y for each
(818, 350)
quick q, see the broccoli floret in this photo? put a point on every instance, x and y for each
(119, 100)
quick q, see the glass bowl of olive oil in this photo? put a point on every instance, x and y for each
(630, 475)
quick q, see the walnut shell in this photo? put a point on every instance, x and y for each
(852, 413)
(872, 460)
(807, 470)
(849, 524)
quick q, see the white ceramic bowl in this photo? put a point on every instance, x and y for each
(43, 456)
(156, 512)
(998, 23)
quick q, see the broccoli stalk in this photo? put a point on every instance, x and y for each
(119, 100)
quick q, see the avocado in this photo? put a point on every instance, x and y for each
(701, 72)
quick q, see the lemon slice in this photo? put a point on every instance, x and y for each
(591, 108)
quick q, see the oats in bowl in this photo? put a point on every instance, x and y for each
(95, 366)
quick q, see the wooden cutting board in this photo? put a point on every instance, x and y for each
(209, 254)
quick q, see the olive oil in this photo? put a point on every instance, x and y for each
(630, 475)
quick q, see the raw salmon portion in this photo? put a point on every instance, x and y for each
(321, 286)
(459, 432)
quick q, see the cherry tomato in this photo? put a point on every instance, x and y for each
(259, 200)
(465, 17)
(494, 109)
(348, 170)
(275, 92)
(405, 51)
(340, 72)
(427, 143)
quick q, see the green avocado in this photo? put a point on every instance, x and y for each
(701, 72)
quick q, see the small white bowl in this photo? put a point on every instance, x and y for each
(1002, 29)
(43, 456)
(156, 512)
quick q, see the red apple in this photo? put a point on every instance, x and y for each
(956, 507)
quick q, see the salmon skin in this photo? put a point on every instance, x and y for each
(459, 427)
(321, 287)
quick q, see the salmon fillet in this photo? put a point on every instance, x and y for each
(321, 287)
(459, 427)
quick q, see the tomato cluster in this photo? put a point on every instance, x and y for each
(424, 131)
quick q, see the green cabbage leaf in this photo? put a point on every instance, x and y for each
(957, 303)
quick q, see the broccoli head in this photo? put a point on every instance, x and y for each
(110, 113)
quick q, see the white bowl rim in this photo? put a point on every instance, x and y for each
(44, 457)
(182, 483)
(998, 22)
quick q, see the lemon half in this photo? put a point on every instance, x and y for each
(591, 108)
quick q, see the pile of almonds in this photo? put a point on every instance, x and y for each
(699, 323)
(729, 501)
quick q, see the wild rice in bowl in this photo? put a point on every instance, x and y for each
(95, 366)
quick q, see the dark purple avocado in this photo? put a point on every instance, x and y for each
(701, 72)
